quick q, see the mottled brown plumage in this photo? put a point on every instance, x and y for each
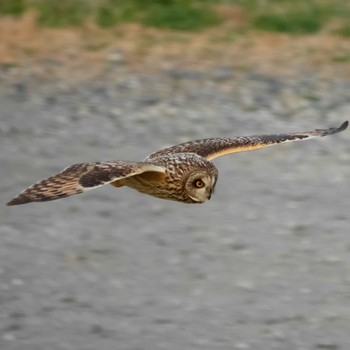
(217, 147)
(182, 173)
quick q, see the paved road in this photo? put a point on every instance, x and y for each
(264, 265)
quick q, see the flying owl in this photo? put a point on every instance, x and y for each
(182, 173)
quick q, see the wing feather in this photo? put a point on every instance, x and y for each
(217, 147)
(82, 177)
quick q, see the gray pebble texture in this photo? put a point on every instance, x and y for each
(265, 264)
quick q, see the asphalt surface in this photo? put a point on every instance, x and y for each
(265, 264)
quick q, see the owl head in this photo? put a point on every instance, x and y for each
(199, 186)
(199, 180)
(190, 178)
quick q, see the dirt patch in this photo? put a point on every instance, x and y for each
(84, 53)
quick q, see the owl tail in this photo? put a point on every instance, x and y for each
(58, 186)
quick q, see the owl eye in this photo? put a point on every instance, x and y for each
(198, 183)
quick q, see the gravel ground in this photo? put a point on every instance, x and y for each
(264, 265)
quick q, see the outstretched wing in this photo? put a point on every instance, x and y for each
(216, 147)
(80, 178)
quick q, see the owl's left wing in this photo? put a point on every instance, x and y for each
(217, 147)
(82, 177)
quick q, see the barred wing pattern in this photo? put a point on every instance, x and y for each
(217, 147)
(82, 177)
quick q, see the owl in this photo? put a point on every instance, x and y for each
(182, 173)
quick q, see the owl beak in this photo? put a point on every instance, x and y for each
(212, 189)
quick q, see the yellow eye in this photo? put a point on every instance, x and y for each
(198, 183)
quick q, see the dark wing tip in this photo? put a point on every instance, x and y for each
(19, 200)
(331, 131)
(343, 126)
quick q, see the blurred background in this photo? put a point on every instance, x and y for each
(65, 37)
(264, 264)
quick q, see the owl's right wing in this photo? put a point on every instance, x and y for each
(217, 147)
(82, 177)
